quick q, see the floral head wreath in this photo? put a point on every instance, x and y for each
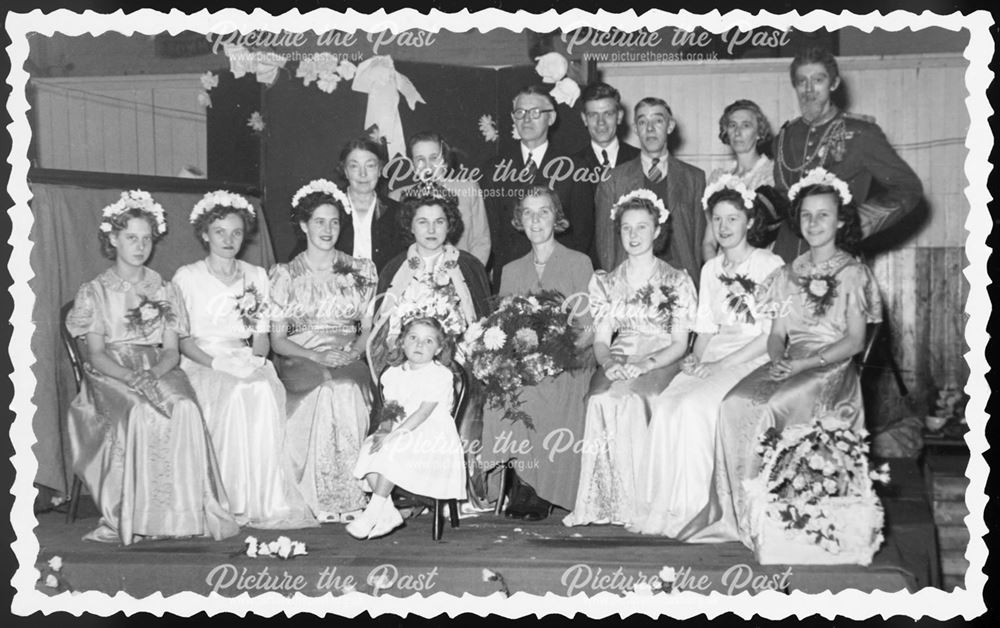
(134, 199)
(220, 198)
(821, 176)
(323, 186)
(732, 182)
(432, 189)
(646, 195)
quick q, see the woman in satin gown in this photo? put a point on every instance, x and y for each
(732, 341)
(240, 394)
(138, 439)
(643, 311)
(546, 457)
(320, 319)
(821, 304)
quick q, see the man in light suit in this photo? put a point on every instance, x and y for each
(532, 162)
(679, 185)
(602, 115)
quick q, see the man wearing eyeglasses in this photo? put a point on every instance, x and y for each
(602, 115)
(532, 162)
(678, 184)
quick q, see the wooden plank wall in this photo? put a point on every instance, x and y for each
(918, 100)
(149, 125)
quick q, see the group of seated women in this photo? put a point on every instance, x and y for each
(231, 396)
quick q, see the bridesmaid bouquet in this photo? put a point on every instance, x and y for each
(813, 501)
(525, 340)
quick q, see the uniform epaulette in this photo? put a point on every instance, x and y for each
(860, 116)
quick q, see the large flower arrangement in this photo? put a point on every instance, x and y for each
(525, 340)
(813, 501)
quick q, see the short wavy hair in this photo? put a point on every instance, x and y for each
(217, 212)
(815, 55)
(849, 236)
(757, 233)
(534, 191)
(418, 196)
(764, 134)
(397, 356)
(601, 91)
(303, 211)
(120, 222)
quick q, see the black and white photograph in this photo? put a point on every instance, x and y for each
(500, 313)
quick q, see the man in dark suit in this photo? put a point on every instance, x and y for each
(679, 185)
(602, 114)
(532, 162)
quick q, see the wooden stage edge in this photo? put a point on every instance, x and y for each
(534, 557)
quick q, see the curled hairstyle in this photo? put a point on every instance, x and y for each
(849, 235)
(763, 126)
(560, 221)
(600, 91)
(637, 203)
(420, 196)
(206, 218)
(397, 356)
(120, 222)
(815, 55)
(303, 211)
(756, 233)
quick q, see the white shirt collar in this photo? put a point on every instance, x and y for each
(612, 150)
(538, 152)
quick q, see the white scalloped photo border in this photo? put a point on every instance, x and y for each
(853, 604)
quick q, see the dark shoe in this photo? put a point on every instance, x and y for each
(535, 516)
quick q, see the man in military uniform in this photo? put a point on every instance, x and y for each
(850, 146)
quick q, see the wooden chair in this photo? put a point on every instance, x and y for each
(76, 361)
(403, 498)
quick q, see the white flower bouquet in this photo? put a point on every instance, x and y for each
(813, 502)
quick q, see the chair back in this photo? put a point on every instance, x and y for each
(871, 335)
(71, 344)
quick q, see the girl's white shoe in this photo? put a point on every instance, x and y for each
(363, 524)
(389, 520)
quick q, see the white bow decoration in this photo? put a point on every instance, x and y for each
(378, 78)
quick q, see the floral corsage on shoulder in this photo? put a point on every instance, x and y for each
(820, 291)
(148, 314)
(248, 306)
(740, 299)
(348, 276)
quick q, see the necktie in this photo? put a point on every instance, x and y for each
(604, 156)
(655, 174)
(532, 167)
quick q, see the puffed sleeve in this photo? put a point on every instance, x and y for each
(704, 321)
(179, 322)
(279, 286)
(863, 292)
(85, 316)
(687, 303)
(600, 299)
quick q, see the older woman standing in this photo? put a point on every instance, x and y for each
(320, 301)
(643, 311)
(372, 229)
(546, 457)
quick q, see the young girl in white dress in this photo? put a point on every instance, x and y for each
(420, 452)
(224, 357)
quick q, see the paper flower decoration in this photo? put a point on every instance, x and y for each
(488, 128)
(346, 69)
(209, 81)
(552, 67)
(566, 91)
(204, 99)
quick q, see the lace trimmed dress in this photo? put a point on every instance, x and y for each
(618, 413)
(245, 416)
(328, 408)
(147, 461)
(815, 301)
(672, 489)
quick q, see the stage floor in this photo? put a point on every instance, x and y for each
(535, 557)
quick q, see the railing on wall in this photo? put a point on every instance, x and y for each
(147, 125)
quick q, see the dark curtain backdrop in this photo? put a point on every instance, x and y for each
(306, 128)
(65, 253)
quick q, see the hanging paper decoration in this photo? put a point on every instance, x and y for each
(378, 78)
